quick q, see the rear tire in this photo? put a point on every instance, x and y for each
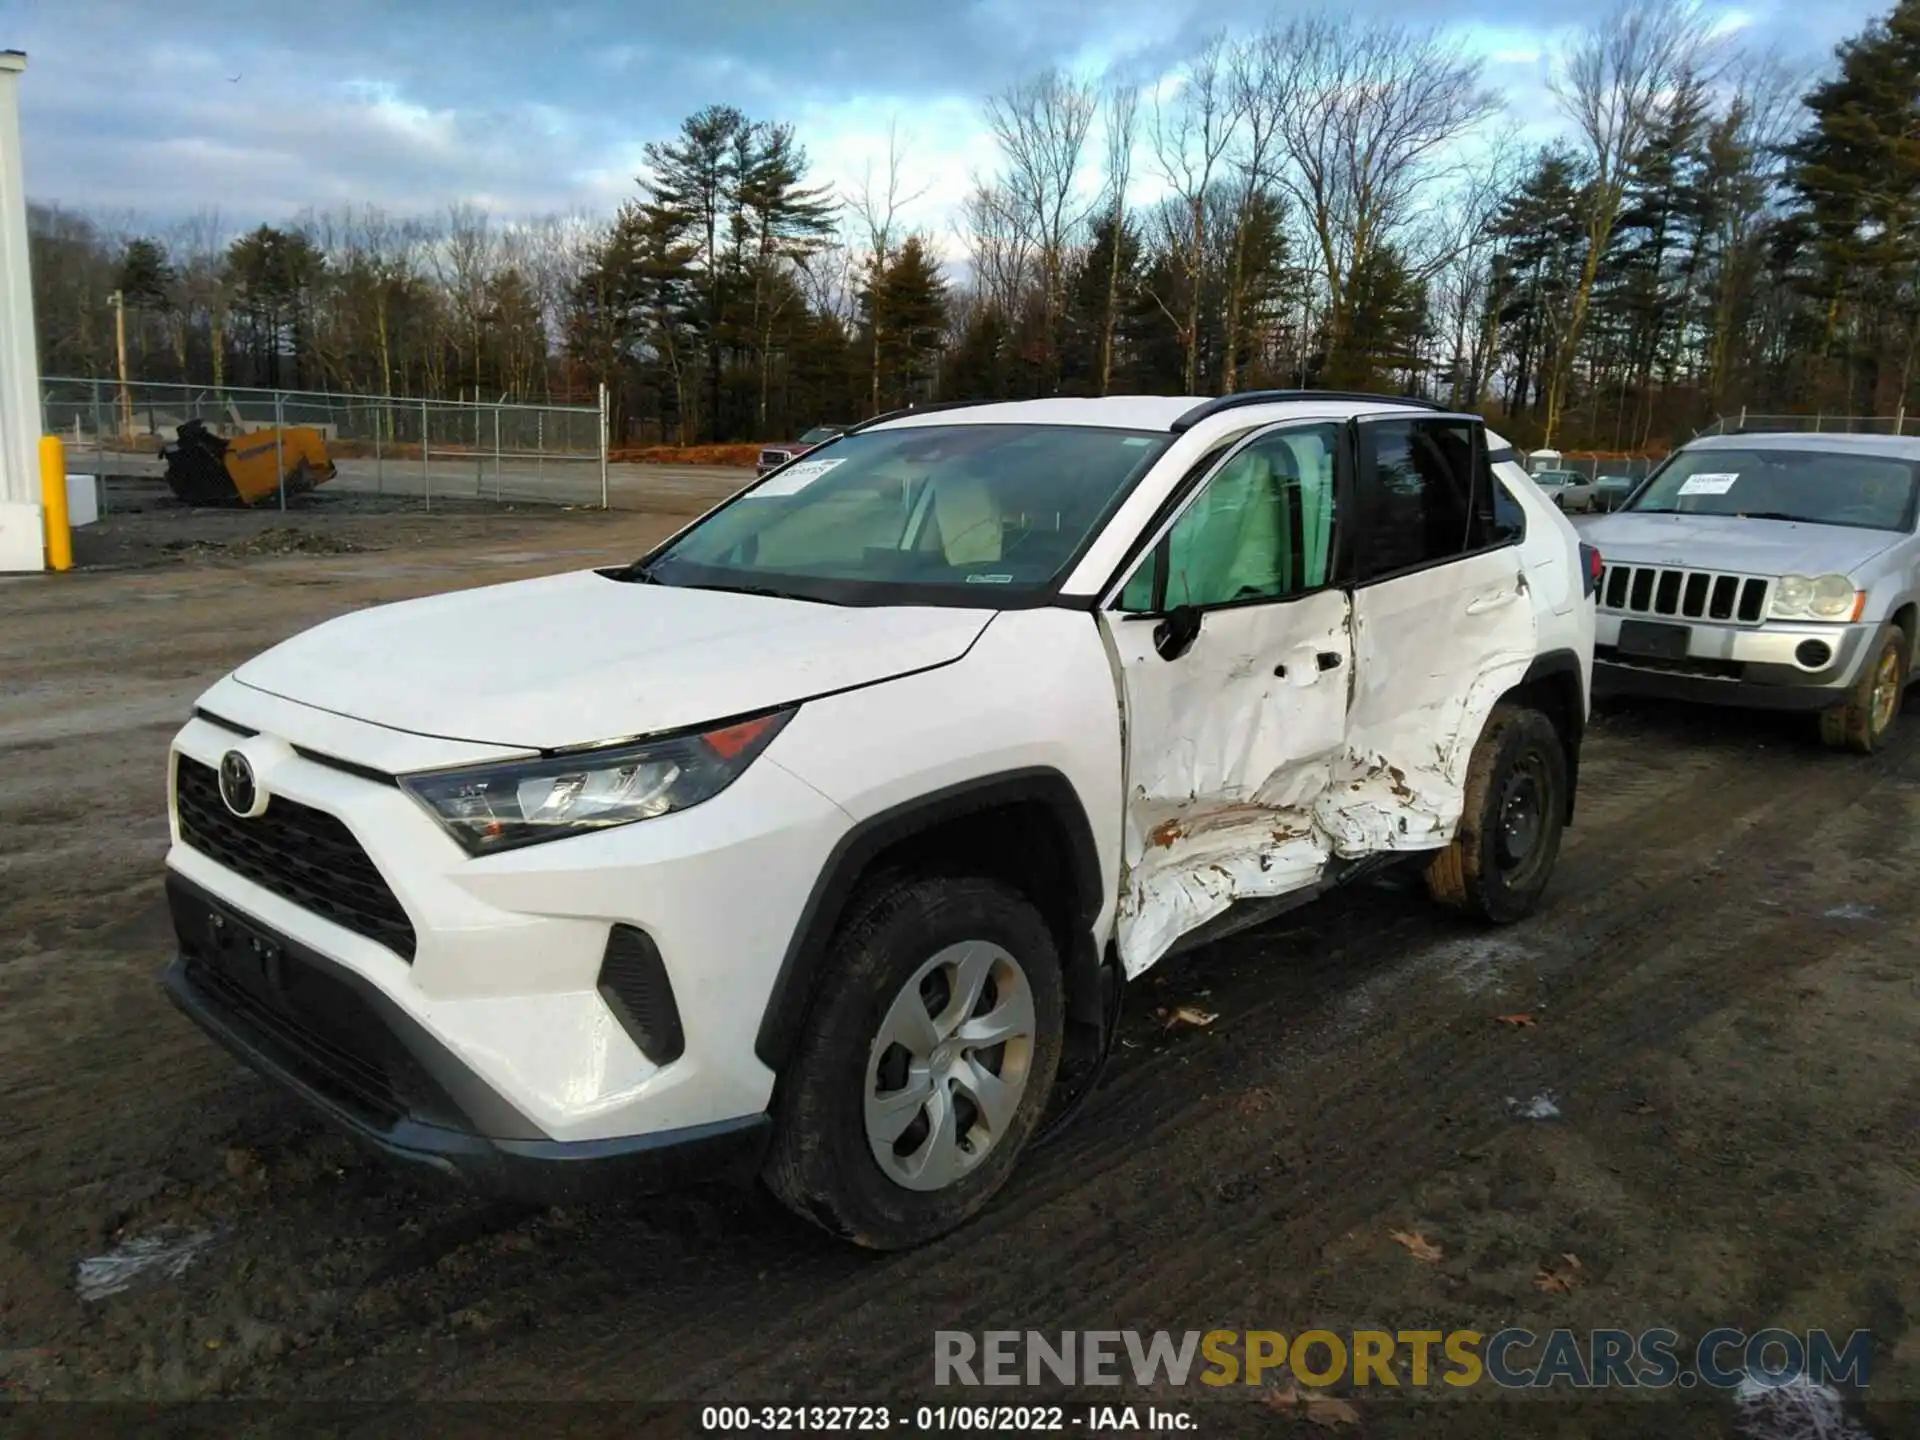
(1516, 806)
(1860, 722)
(921, 965)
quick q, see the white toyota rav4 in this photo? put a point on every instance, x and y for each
(820, 842)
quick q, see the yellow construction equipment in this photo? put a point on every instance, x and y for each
(205, 469)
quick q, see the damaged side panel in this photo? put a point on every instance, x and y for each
(1433, 651)
(1299, 731)
(1231, 749)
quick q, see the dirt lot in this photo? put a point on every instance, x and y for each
(1720, 1000)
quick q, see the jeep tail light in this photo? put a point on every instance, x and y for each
(1591, 568)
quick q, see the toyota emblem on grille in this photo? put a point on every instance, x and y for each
(237, 786)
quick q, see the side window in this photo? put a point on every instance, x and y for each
(1416, 491)
(1506, 521)
(1263, 528)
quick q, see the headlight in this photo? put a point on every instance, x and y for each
(1827, 597)
(490, 808)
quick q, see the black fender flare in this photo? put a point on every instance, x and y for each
(793, 986)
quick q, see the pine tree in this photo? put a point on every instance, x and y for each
(1857, 168)
(908, 302)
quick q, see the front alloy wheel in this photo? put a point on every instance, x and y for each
(949, 1068)
(927, 1060)
(1861, 721)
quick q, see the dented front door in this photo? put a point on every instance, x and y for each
(1234, 732)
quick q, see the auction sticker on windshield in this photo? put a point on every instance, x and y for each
(795, 478)
(1708, 483)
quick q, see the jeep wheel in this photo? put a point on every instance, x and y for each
(1860, 722)
(926, 1063)
(1516, 807)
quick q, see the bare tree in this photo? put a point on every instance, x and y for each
(1000, 248)
(1745, 161)
(465, 260)
(1617, 82)
(1041, 126)
(1263, 77)
(1189, 135)
(828, 283)
(1120, 110)
(1370, 143)
(877, 203)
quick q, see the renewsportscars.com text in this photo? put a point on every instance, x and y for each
(1507, 1359)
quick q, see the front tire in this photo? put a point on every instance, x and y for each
(1510, 828)
(1860, 722)
(926, 1063)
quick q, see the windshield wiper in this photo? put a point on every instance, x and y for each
(763, 590)
(638, 573)
(1773, 515)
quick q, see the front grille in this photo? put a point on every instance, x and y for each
(774, 457)
(299, 853)
(1684, 594)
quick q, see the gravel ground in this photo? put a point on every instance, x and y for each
(1719, 998)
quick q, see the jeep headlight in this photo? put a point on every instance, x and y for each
(490, 808)
(1822, 597)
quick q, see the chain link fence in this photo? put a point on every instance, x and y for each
(1816, 424)
(424, 450)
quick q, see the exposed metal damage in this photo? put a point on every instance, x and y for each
(1231, 802)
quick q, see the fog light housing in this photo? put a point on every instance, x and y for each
(633, 983)
(1814, 654)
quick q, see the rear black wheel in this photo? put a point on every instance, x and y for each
(1516, 806)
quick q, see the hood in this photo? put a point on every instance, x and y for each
(1727, 542)
(577, 659)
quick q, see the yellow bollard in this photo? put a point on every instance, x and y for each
(53, 498)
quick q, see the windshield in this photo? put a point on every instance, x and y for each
(978, 515)
(1821, 487)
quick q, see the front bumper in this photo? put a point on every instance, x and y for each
(332, 1038)
(512, 966)
(1757, 666)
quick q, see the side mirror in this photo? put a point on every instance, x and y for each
(1176, 632)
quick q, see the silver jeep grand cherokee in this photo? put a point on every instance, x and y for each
(1774, 570)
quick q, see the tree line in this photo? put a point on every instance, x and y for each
(1333, 204)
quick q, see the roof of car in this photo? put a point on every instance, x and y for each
(1134, 412)
(1905, 447)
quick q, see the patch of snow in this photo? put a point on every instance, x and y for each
(166, 1254)
(1540, 1107)
(1850, 912)
(1796, 1410)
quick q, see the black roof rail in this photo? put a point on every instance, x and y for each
(1207, 408)
(902, 413)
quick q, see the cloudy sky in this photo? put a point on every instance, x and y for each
(263, 107)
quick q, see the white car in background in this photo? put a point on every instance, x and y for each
(820, 842)
(1569, 489)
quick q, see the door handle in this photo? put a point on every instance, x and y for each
(1481, 604)
(1323, 661)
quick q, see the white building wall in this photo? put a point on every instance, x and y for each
(21, 542)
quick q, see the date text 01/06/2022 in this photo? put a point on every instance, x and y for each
(936, 1419)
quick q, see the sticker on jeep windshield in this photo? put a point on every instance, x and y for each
(1709, 483)
(795, 478)
(989, 579)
